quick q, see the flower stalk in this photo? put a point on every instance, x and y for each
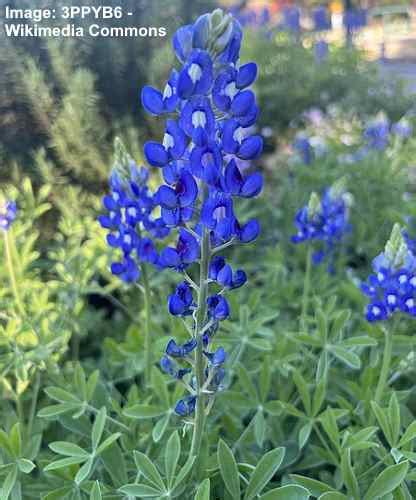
(12, 275)
(147, 331)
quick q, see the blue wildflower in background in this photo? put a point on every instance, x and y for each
(130, 220)
(325, 221)
(392, 286)
(8, 213)
(377, 133)
(208, 132)
(355, 19)
(291, 19)
(321, 19)
(303, 147)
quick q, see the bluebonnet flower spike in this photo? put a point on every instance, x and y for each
(209, 131)
(8, 213)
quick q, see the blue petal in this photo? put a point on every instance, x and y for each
(166, 197)
(242, 102)
(252, 185)
(246, 75)
(182, 42)
(176, 305)
(251, 147)
(250, 231)
(169, 257)
(152, 100)
(225, 276)
(155, 154)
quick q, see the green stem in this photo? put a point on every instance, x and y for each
(12, 275)
(199, 356)
(385, 367)
(34, 404)
(94, 410)
(306, 288)
(147, 332)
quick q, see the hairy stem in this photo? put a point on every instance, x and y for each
(306, 288)
(147, 332)
(199, 357)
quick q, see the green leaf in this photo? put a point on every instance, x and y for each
(315, 487)
(4, 442)
(288, 492)
(228, 469)
(8, 484)
(304, 434)
(409, 434)
(264, 471)
(303, 390)
(203, 491)
(143, 411)
(322, 368)
(387, 481)
(322, 325)
(96, 492)
(329, 423)
(70, 449)
(394, 418)
(98, 427)
(115, 464)
(362, 341)
(160, 388)
(160, 428)
(15, 440)
(264, 380)
(383, 421)
(61, 395)
(340, 321)
(64, 462)
(84, 471)
(259, 428)
(26, 466)
(172, 454)
(139, 491)
(347, 357)
(348, 475)
(183, 473)
(80, 382)
(55, 410)
(92, 384)
(319, 396)
(333, 495)
(108, 442)
(148, 469)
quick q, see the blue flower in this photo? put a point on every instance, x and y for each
(304, 149)
(186, 406)
(321, 50)
(186, 252)
(8, 212)
(321, 19)
(181, 302)
(392, 287)
(291, 19)
(130, 222)
(218, 307)
(377, 133)
(211, 130)
(403, 128)
(324, 220)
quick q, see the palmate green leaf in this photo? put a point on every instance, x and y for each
(228, 469)
(394, 418)
(149, 470)
(383, 421)
(348, 475)
(304, 433)
(259, 428)
(8, 484)
(172, 454)
(58, 494)
(333, 495)
(347, 357)
(329, 423)
(84, 471)
(98, 427)
(387, 481)
(115, 464)
(26, 466)
(143, 411)
(60, 409)
(409, 434)
(264, 471)
(70, 449)
(160, 428)
(61, 395)
(182, 475)
(203, 491)
(340, 321)
(64, 462)
(361, 341)
(15, 440)
(96, 492)
(288, 492)
(315, 487)
(140, 491)
(108, 442)
(92, 384)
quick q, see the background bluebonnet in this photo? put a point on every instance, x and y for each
(8, 213)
